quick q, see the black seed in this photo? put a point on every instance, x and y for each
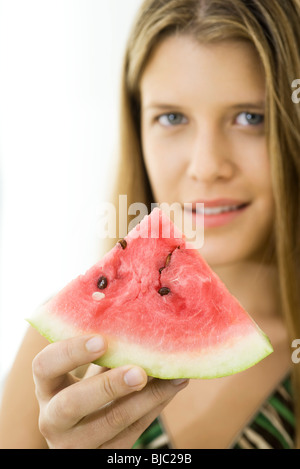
(164, 291)
(123, 243)
(168, 259)
(102, 283)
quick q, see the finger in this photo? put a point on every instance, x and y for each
(94, 370)
(53, 362)
(128, 437)
(75, 402)
(106, 424)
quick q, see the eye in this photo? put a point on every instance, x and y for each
(172, 119)
(249, 118)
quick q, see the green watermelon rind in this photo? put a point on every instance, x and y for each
(237, 354)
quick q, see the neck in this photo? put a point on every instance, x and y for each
(255, 285)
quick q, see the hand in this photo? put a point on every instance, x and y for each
(108, 410)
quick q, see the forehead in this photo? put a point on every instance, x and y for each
(181, 67)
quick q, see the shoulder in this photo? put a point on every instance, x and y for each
(20, 411)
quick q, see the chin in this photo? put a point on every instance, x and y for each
(239, 249)
(217, 257)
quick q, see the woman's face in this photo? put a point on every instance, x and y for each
(204, 141)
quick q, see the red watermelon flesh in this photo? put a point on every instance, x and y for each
(163, 309)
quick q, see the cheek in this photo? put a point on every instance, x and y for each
(259, 223)
(256, 168)
(252, 153)
(250, 157)
(165, 166)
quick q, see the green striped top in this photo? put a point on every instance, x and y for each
(273, 427)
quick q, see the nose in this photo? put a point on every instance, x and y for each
(209, 157)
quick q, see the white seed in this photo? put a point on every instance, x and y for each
(98, 296)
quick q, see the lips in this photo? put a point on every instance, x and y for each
(218, 212)
(219, 204)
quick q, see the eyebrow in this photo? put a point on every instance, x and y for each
(247, 105)
(252, 105)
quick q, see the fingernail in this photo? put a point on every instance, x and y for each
(133, 377)
(96, 344)
(177, 382)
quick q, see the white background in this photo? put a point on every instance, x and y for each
(59, 82)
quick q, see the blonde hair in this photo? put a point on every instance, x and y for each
(272, 26)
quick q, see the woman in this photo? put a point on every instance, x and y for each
(207, 116)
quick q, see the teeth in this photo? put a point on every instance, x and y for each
(217, 210)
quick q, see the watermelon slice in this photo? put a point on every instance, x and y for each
(160, 306)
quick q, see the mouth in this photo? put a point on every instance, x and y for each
(219, 212)
(211, 211)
